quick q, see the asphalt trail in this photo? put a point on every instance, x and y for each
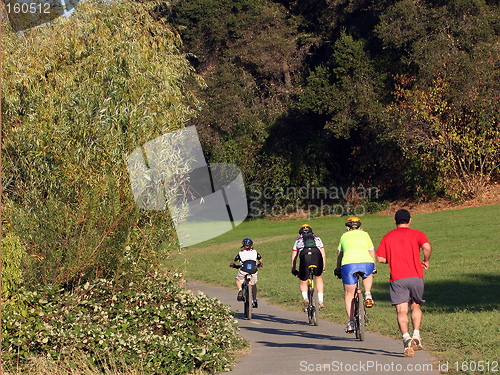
(282, 342)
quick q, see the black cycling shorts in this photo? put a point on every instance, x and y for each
(308, 257)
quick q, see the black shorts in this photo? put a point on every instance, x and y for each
(309, 257)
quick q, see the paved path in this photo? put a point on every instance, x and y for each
(282, 342)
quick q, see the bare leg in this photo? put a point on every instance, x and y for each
(303, 285)
(367, 283)
(349, 296)
(319, 283)
(416, 315)
(402, 311)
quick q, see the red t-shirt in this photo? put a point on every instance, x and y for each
(401, 248)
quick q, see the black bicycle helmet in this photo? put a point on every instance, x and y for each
(247, 243)
(353, 222)
(305, 228)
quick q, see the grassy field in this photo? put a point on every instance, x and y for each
(461, 316)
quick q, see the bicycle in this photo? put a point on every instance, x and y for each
(360, 314)
(312, 295)
(246, 287)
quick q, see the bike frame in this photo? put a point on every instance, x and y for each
(247, 292)
(247, 297)
(360, 315)
(312, 295)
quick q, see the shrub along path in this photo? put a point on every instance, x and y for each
(282, 342)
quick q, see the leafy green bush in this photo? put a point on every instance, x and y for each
(12, 256)
(155, 322)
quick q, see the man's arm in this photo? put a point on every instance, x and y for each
(381, 260)
(381, 250)
(427, 250)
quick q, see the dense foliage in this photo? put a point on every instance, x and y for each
(13, 256)
(78, 96)
(155, 324)
(400, 94)
(83, 266)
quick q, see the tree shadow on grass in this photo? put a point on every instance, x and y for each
(478, 293)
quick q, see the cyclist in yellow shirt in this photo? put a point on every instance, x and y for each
(356, 253)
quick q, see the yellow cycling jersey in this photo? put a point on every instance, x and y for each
(355, 245)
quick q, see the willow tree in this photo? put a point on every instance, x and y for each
(79, 95)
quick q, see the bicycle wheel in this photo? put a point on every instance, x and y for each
(361, 313)
(356, 315)
(310, 296)
(314, 307)
(248, 302)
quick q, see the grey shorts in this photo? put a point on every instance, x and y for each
(407, 290)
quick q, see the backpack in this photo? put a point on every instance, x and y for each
(309, 241)
(249, 266)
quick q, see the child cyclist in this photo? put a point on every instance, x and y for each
(247, 255)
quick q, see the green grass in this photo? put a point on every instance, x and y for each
(461, 316)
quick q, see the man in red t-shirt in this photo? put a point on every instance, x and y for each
(400, 248)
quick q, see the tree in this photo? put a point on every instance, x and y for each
(79, 95)
(251, 55)
(459, 149)
(447, 90)
(349, 90)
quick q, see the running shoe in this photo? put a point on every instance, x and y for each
(306, 305)
(240, 295)
(417, 343)
(408, 348)
(321, 305)
(350, 327)
(255, 304)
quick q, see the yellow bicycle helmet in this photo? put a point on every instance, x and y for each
(353, 222)
(305, 228)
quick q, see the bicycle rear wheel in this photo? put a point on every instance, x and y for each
(314, 307)
(310, 296)
(360, 318)
(248, 303)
